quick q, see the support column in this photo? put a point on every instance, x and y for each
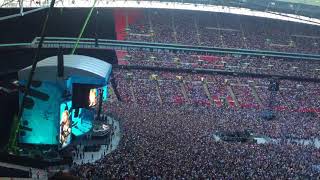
(197, 31)
(174, 29)
(130, 78)
(111, 93)
(155, 78)
(183, 88)
(151, 27)
(255, 94)
(206, 90)
(233, 96)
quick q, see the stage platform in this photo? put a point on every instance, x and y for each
(83, 123)
(61, 104)
(105, 147)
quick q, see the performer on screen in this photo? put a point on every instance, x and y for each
(65, 129)
(92, 97)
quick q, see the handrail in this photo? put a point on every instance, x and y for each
(215, 72)
(184, 46)
(15, 44)
(90, 43)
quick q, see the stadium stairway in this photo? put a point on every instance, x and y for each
(121, 57)
(134, 99)
(255, 94)
(173, 26)
(151, 27)
(178, 99)
(123, 18)
(230, 102)
(287, 103)
(217, 101)
(184, 91)
(111, 95)
(197, 30)
(120, 24)
(232, 95)
(206, 90)
(158, 91)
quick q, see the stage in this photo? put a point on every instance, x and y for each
(63, 99)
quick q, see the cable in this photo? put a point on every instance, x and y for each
(83, 27)
(36, 57)
(14, 132)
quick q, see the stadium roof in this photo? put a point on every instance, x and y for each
(307, 2)
(303, 11)
(74, 65)
(309, 8)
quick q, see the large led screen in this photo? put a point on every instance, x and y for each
(84, 95)
(93, 97)
(65, 124)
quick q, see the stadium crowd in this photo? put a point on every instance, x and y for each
(248, 64)
(297, 105)
(228, 31)
(173, 139)
(168, 119)
(174, 142)
(292, 94)
(224, 30)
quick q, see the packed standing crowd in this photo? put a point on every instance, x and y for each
(174, 142)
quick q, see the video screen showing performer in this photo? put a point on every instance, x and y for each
(84, 95)
(93, 97)
(65, 128)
